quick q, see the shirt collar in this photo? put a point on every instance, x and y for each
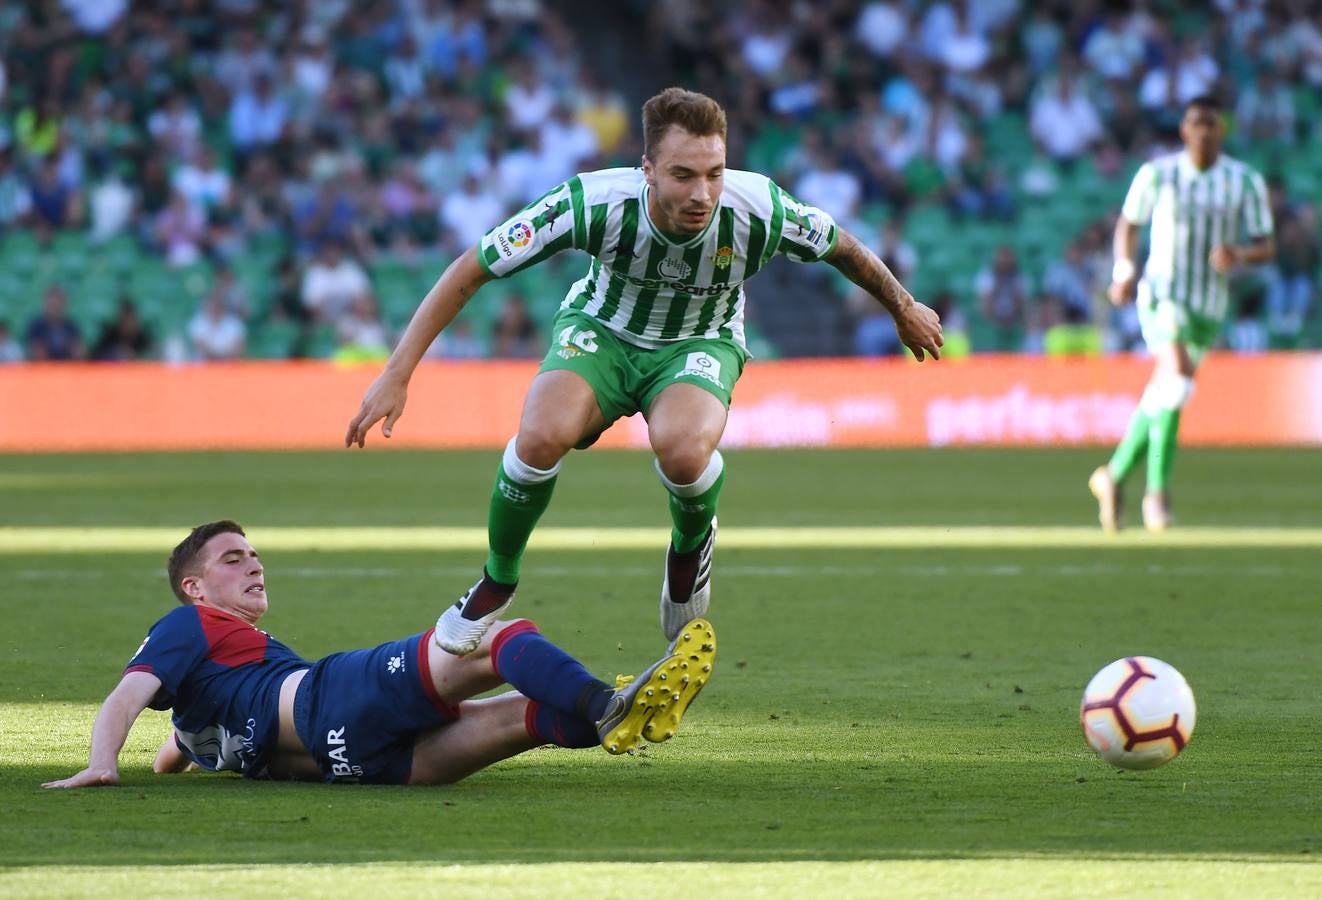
(1189, 169)
(660, 235)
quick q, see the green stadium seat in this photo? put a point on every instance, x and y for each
(195, 281)
(19, 242)
(257, 281)
(321, 341)
(120, 253)
(273, 339)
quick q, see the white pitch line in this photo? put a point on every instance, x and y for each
(160, 540)
(282, 573)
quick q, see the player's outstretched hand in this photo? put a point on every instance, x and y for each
(86, 778)
(384, 400)
(919, 328)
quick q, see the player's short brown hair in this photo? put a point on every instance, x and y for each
(695, 113)
(183, 560)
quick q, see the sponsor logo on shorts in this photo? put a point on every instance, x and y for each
(343, 766)
(673, 267)
(575, 342)
(701, 365)
(723, 258)
(395, 664)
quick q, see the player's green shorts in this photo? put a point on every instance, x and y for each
(627, 378)
(1166, 321)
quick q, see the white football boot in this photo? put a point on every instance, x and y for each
(675, 613)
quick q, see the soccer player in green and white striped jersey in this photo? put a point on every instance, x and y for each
(1208, 213)
(656, 325)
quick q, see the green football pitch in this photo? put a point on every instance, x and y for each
(903, 640)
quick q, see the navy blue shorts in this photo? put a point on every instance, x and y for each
(359, 712)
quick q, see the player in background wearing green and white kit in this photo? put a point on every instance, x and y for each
(656, 325)
(1209, 213)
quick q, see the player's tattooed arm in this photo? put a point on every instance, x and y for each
(918, 326)
(863, 267)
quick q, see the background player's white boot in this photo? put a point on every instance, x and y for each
(1107, 492)
(1156, 512)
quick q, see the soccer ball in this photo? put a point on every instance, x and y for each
(1138, 713)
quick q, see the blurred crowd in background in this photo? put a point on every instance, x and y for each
(227, 179)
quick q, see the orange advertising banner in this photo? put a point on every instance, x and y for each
(1268, 399)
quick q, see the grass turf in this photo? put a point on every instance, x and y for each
(868, 704)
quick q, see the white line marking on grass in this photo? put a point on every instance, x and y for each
(115, 539)
(533, 570)
(1035, 875)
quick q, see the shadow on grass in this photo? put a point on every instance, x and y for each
(557, 805)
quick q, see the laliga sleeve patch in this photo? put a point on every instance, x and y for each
(516, 239)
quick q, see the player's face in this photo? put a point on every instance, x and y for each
(686, 173)
(1202, 132)
(232, 578)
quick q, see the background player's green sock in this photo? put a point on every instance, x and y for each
(1161, 449)
(692, 506)
(518, 500)
(1132, 446)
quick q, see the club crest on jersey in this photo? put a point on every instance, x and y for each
(723, 257)
(672, 267)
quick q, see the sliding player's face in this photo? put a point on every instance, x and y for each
(685, 173)
(1202, 131)
(232, 579)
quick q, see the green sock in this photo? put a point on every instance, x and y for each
(693, 506)
(1132, 446)
(1161, 449)
(518, 500)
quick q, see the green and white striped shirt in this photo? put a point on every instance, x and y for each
(642, 286)
(1191, 212)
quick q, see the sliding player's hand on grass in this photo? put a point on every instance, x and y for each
(919, 328)
(384, 400)
(86, 778)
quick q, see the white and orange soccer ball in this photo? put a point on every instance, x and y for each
(1138, 713)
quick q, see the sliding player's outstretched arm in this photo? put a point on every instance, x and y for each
(385, 398)
(918, 326)
(118, 713)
